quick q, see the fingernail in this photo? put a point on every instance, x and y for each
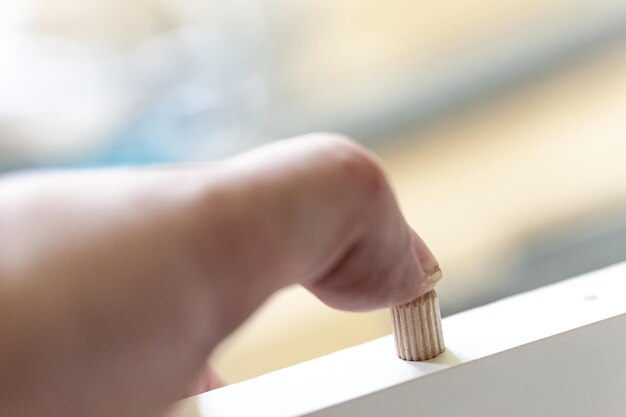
(433, 276)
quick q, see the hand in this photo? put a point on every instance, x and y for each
(116, 285)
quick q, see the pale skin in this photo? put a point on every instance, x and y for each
(116, 285)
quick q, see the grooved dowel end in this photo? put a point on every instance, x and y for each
(417, 328)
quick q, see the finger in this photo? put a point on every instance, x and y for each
(387, 263)
(378, 274)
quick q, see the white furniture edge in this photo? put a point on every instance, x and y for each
(557, 350)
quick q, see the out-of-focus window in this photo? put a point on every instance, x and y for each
(155, 80)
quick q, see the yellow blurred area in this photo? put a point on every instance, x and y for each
(353, 50)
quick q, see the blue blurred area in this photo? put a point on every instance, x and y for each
(135, 147)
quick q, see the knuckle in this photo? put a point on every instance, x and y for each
(353, 165)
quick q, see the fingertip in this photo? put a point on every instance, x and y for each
(421, 274)
(430, 264)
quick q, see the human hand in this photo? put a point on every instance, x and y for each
(121, 282)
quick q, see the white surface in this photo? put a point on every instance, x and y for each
(563, 372)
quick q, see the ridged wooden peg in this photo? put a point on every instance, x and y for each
(417, 328)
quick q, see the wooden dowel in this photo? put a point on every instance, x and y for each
(417, 328)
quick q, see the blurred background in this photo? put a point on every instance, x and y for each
(502, 124)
